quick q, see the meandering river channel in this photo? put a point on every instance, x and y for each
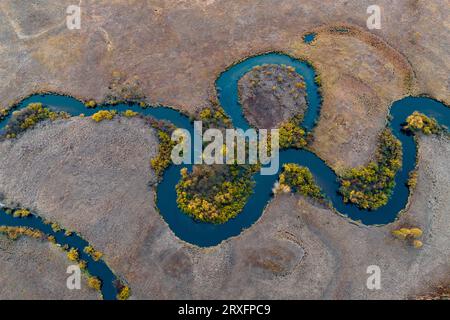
(207, 234)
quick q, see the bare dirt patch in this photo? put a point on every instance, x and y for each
(175, 50)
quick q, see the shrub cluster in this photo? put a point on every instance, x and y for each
(291, 134)
(104, 115)
(411, 235)
(94, 283)
(214, 193)
(96, 255)
(412, 181)
(90, 104)
(162, 159)
(3, 113)
(14, 233)
(214, 117)
(442, 292)
(73, 254)
(124, 293)
(21, 213)
(125, 89)
(300, 180)
(130, 113)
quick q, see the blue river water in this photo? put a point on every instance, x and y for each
(206, 234)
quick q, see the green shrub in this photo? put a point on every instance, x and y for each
(94, 283)
(73, 254)
(129, 113)
(124, 293)
(22, 213)
(90, 104)
(214, 193)
(14, 233)
(214, 117)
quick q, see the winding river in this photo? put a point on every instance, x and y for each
(206, 234)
